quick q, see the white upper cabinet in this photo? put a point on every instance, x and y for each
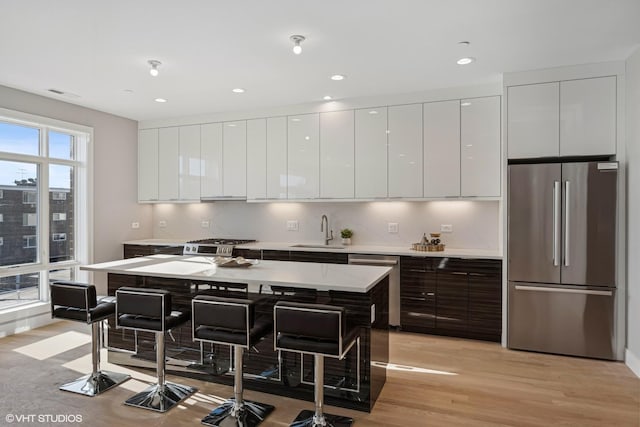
(405, 151)
(168, 164)
(480, 160)
(337, 155)
(148, 165)
(303, 160)
(277, 158)
(567, 118)
(588, 117)
(234, 159)
(189, 172)
(371, 153)
(534, 120)
(211, 160)
(441, 126)
(256, 159)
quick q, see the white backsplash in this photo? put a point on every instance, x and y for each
(475, 223)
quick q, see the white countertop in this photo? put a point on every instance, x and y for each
(322, 277)
(377, 250)
(350, 249)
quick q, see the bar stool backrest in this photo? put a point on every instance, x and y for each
(236, 315)
(152, 303)
(72, 294)
(314, 321)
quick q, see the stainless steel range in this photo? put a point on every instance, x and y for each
(213, 246)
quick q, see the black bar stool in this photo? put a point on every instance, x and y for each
(320, 330)
(231, 321)
(150, 310)
(78, 302)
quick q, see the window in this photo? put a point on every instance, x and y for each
(44, 172)
(1, 217)
(29, 220)
(29, 197)
(1, 241)
(59, 237)
(29, 242)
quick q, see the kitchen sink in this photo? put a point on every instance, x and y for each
(318, 246)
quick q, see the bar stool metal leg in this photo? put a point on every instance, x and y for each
(97, 381)
(164, 395)
(237, 411)
(318, 418)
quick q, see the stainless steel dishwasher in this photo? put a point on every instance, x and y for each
(394, 279)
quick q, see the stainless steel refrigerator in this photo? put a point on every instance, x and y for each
(562, 258)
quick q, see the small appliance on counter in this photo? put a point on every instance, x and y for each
(429, 245)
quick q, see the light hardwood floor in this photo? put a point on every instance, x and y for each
(432, 381)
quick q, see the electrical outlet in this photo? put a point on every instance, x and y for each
(162, 224)
(204, 224)
(135, 225)
(392, 227)
(446, 228)
(292, 225)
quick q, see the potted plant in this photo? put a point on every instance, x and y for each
(346, 234)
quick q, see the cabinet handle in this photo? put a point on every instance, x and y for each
(415, 270)
(431, 294)
(477, 274)
(459, 273)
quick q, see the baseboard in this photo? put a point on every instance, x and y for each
(632, 361)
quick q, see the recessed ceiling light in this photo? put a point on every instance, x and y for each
(231, 125)
(307, 138)
(337, 77)
(154, 67)
(297, 39)
(128, 90)
(161, 100)
(327, 98)
(465, 104)
(464, 43)
(373, 112)
(465, 61)
(237, 90)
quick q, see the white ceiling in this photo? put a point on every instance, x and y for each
(97, 49)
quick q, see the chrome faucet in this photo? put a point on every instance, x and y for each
(324, 226)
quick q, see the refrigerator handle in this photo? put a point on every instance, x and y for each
(556, 223)
(567, 217)
(563, 290)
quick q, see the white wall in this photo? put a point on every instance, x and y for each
(633, 211)
(475, 223)
(115, 177)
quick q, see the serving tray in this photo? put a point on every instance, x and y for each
(238, 262)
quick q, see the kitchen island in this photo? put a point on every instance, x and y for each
(354, 382)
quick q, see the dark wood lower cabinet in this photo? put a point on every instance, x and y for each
(133, 251)
(417, 294)
(452, 296)
(248, 253)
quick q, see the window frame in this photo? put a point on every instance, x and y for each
(82, 165)
(28, 238)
